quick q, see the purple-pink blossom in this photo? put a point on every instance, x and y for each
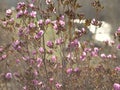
(35, 82)
(8, 12)
(51, 79)
(58, 85)
(76, 69)
(25, 12)
(69, 56)
(47, 21)
(118, 30)
(39, 34)
(69, 70)
(53, 58)
(58, 41)
(31, 5)
(17, 45)
(35, 72)
(20, 14)
(62, 17)
(50, 44)
(82, 58)
(8, 75)
(40, 22)
(41, 50)
(11, 21)
(62, 23)
(117, 68)
(116, 86)
(74, 43)
(109, 56)
(39, 62)
(33, 14)
(32, 25)
(17, 61)
(48, 1)
(4, 56)
(118, 46)
(103, 55)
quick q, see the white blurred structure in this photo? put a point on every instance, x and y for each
(99, 33)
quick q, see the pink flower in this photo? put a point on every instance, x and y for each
(35, 82)
(114, 56)
(34, 52)
(82, 58)
(87, 49)
(32, 25)
(50, 51)
(117, 33)
(20, 13)
(93, 53)
(69, 56)
(48, 1)
(118, 47)
(25, 12)
(5, 23)
(55, 26)
(62, 17)
(33, 14)
(96, 49)
(74, 43)
(62, 23)
(118, 30)
(11, 21)
(54, 58)
(112, 43)
(116, 86)
(8, 12)
(25, 88)
(39, 62)
(35, 72)
(83, 30)
(8, 75)
(20, 5)
(76, 69)
(58, 85)
(41, 50)
(59, 41)
(47, 21)
(4, 56)
(17, 61)
(109, 56)
(50, 44)
(51, 79)
(31, 5)
(84, 54)
(39, 34)
(40, 22)
(117, 68)
(69, 70)
(103, 55)
(16, 45)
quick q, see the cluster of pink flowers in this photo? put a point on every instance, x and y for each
(48, 59)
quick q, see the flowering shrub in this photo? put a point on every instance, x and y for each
(47, 53)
